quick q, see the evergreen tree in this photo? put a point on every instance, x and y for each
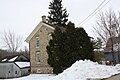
(53, 50)
(57, 15)
(67, 47)
(85, 46)
(70, 45)
(78, 45)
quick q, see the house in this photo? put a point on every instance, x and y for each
(14, 69)
(4, 54)
(22, 58)
(19, 57)
(9, 70)
(11, 67)
(14, 58)
(24, 67)
(116, 48)
(38, 40)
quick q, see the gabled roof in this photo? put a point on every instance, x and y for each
(14, 57)
(36, 29)
(23, 57)
(9, 58)
(109, 43)
(4, 60)
(23, 64)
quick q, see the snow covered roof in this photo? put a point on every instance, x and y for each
(4, 60)
(23, 64)
(13, 59)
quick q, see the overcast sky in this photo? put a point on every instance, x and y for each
(22, 16)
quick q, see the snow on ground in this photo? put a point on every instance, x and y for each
(80, 70)
(35, 77)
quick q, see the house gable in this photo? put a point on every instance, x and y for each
(116, 42)
(21, 58)
(42, 34)
(9, 70)
(108, 49)
(36, 30)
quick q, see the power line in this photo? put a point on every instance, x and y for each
(103, 6)
(94, 11)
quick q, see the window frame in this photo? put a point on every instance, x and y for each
(37, 57)
(16, 72)
(37, 42)
(50, 36)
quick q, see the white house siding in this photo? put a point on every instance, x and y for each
(25, 68)
(9, 70)
(25, 71)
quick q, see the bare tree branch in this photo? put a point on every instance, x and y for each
(11, 41)
(108, 26)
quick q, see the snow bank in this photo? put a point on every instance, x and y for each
(81, 70)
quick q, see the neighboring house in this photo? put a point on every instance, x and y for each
(9, 70)
(22, 58)
(13, 68)
(116, 48)
(17, 57)
(38, 40)
(24, 67)
(7, 55)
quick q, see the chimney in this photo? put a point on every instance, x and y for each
(44, 18)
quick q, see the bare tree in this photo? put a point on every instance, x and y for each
(11, 41)
(108, 27)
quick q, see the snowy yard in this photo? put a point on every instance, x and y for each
(80, 70)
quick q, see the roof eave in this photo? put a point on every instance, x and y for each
(36, 29)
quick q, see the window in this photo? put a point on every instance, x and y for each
(37, 44)
(15, 72)
(46, 29)
(49, 36)
(38, 57)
